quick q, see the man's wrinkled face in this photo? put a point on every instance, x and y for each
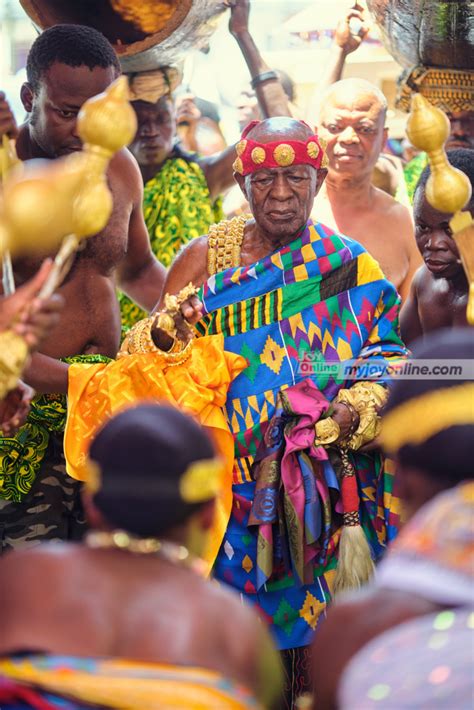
(156, 131)
(435, 240)
(54, 107)
(462, 130)
(354, 131)
(281, 198)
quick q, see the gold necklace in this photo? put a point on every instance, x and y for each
(122, 540)
(224, 244)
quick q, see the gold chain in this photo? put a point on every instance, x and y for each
(225, 243)
(122, 540)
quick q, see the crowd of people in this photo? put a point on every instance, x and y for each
(188, 475)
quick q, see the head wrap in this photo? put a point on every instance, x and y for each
(151, 85)
(253, 156)
(451, 90)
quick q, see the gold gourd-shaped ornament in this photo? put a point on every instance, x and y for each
(106, 123)
(46, 200)
(8, 160)
(447, 189)
(35, 211)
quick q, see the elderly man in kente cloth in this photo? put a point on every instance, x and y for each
(292, 297)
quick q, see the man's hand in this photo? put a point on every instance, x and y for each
(32, 318)
(189, 314)
(14, 408)
(344, 38)
(239, 16)
(187, 113)
(343, 416)
(7, 120)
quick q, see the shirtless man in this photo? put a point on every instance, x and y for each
(352, 122)
(67, 65)
(439, 291)
(119, 601)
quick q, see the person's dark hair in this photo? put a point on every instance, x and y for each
(460, 158)
(142, 454)
(73, 45)
(446, 456)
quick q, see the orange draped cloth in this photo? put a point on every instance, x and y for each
(198, 387)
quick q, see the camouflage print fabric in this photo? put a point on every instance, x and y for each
(52, 509)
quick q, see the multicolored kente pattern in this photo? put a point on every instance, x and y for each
(70, 683)
(320, 299)
(177, 208)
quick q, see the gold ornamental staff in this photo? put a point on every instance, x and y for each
(447, 189)
(41, 204)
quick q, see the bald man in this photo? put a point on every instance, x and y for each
(281, 289)
(352, 121)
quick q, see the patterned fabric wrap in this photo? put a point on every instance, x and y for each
(321, 298)
(434, 554)
(290, 487)
(69, 683)
(422, 663)
(177, 208)
(22, 454)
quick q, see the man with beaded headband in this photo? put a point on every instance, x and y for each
(290, 296)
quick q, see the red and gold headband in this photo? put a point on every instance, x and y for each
(253, 156)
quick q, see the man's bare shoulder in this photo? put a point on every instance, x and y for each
(21, 570)
(389, 206)
(124, 160)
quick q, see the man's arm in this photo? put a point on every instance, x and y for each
(271, 97)
(344, 43)
(415, 260)
(140, 276)
(410, 325)
(46, 374)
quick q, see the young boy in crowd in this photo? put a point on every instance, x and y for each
(439, 291)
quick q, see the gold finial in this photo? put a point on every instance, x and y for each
(106, 123)
(447, 189)
(107, 120)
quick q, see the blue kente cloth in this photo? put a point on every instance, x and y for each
(320, 298)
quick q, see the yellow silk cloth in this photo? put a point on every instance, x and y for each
(128, 685)
(198, 387)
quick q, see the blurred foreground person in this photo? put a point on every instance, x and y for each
(352, 122)
(32, 318)
(132, 594)
(439, 291)
(428, 428)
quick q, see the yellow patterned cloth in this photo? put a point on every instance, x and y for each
(112, 683)
(198, 386)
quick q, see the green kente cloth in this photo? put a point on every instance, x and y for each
(177, 207)
(21, 455)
